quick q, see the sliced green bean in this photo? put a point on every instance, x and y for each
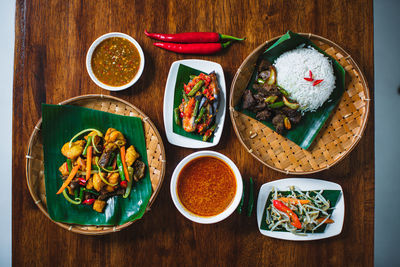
(196, 88)
(176, 116)
(202, 110)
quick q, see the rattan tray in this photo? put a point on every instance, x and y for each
(340, 134)
(155, 155)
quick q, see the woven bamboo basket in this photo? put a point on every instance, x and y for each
(155, 155)
(340, 134)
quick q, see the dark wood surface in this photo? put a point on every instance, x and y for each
(52, 38)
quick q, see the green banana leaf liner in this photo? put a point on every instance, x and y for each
(331, 195)
(304, 133)
(60, 124)
(183, 76)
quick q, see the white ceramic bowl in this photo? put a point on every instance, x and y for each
(207, 219)
(89, 61)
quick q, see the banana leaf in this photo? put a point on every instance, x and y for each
(183, 77)
(304, 133)
(60, 124)
(331, 195)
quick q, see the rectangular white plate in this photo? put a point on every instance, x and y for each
(207, 67)
(304, 184)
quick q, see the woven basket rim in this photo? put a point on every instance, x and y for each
(111, 229)
(346, 56)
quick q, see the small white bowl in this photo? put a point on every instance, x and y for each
(89, 61)
(207, 219)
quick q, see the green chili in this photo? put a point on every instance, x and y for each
(196, 88)
(69, 165)
(88, 143)
(65, 194)
(202, 110)
(120, 167)
(129, 185)
(251, 198)
(95, 168)
(176, 116)
(203, 89)
(192, 77)
(276, 105)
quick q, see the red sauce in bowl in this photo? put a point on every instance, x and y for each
(206, 186)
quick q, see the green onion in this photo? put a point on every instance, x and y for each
(65, 194)
(82, 132)
(101, 175)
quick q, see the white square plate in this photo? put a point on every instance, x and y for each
(304, 184)
(207, 67)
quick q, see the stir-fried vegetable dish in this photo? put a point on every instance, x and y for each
(198, 109)
(98, 167)
(297, 211)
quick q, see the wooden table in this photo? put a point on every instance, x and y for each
(52, 38)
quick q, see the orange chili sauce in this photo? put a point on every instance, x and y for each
(206, 186)
(115, 61)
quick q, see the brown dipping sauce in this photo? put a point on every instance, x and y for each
(206, 186)
(115, 61)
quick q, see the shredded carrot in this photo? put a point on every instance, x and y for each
(89, 162)
(294, 201)
(122, 149)
(321, 219)
(69, 179)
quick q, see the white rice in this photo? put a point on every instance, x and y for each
(293, 66)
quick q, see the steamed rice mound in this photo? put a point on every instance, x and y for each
(293, 66)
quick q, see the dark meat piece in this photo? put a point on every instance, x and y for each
(264, 65)
(260, 97)
(293, 115)
(277, 121)
(260, 106)
(264, 115)
(248, 100)
(258, 86)
(138, 170)
(105, 195)
(105, 157)
(74, 183)
(264, 74)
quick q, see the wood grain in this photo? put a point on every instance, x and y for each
(52, 38)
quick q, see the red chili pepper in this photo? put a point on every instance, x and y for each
(317, 82)
(89, 201)
(309, 79)
(310, 74)
(293, 217)
(123, 184)
(201, 49)
(192, 37)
